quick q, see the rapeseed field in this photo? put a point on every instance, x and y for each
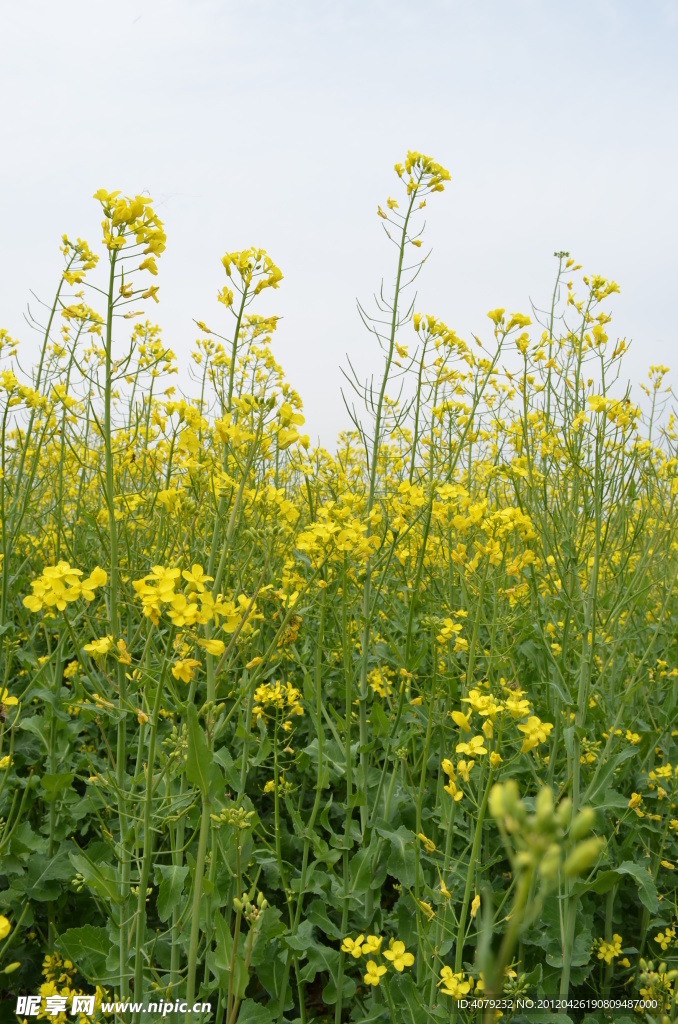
(379, 734)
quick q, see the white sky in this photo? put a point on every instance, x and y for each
(277, 124)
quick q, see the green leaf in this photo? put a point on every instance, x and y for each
(330, 990)
(88, 948)
(581, 951)
(378, 721)
(302, 938)
(24, 838)
(315, 955)
(361, 871)
(199, 760)
(223, 757)
(255, 1013)
(610, 800)
(53, 784)
(36, 725)
(224, 947)
(170, 888)
(405, 994)
(647, 890)
(272, 972)
(316, 913)
(604, 880)
(402, 862)
(224, 956)
(604, 779)
(44, 878)
(99, 877)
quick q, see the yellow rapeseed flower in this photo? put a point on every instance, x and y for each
(398, 956)
(353, 946)
(374, 973)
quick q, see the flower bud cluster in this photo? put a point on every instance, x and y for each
(550, 840)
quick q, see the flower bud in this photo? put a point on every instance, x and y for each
(544, 806)
(550, 863)
(582, 824)
(564, 813)
(582, 857)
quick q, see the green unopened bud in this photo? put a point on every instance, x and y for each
(582, 857)
(12, 967)
(543, 806)
(583, 823)
(496, 801)
(550, 862)
(512, 803)
(260, 900)
(564, 813)
(237, 904)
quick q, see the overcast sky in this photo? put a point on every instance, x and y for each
(277, 124)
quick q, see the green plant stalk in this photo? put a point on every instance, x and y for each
(236, 930)
(475, 850)
(8, 518)
(318, 787)
(278, 854)
(421, 962)
(114, 619)
(147, 855)
(248, 956)
(197, 899)
(508, 942)
(177, 861)
(221, 509)
(205, 828)
(348, 678)
(449, 836)
(367, 625)
(571, 900)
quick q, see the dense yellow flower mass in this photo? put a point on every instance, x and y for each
(335, 734)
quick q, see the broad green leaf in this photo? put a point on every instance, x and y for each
(330, 991)
(24, 838)
(361, 871)
(606, 773)
(170, 888)
(45, 877)
(604, 880)
(88, 948)
(402, 862)
(54, 784)
(256, 1013)
(316, 913)
(223, 757)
